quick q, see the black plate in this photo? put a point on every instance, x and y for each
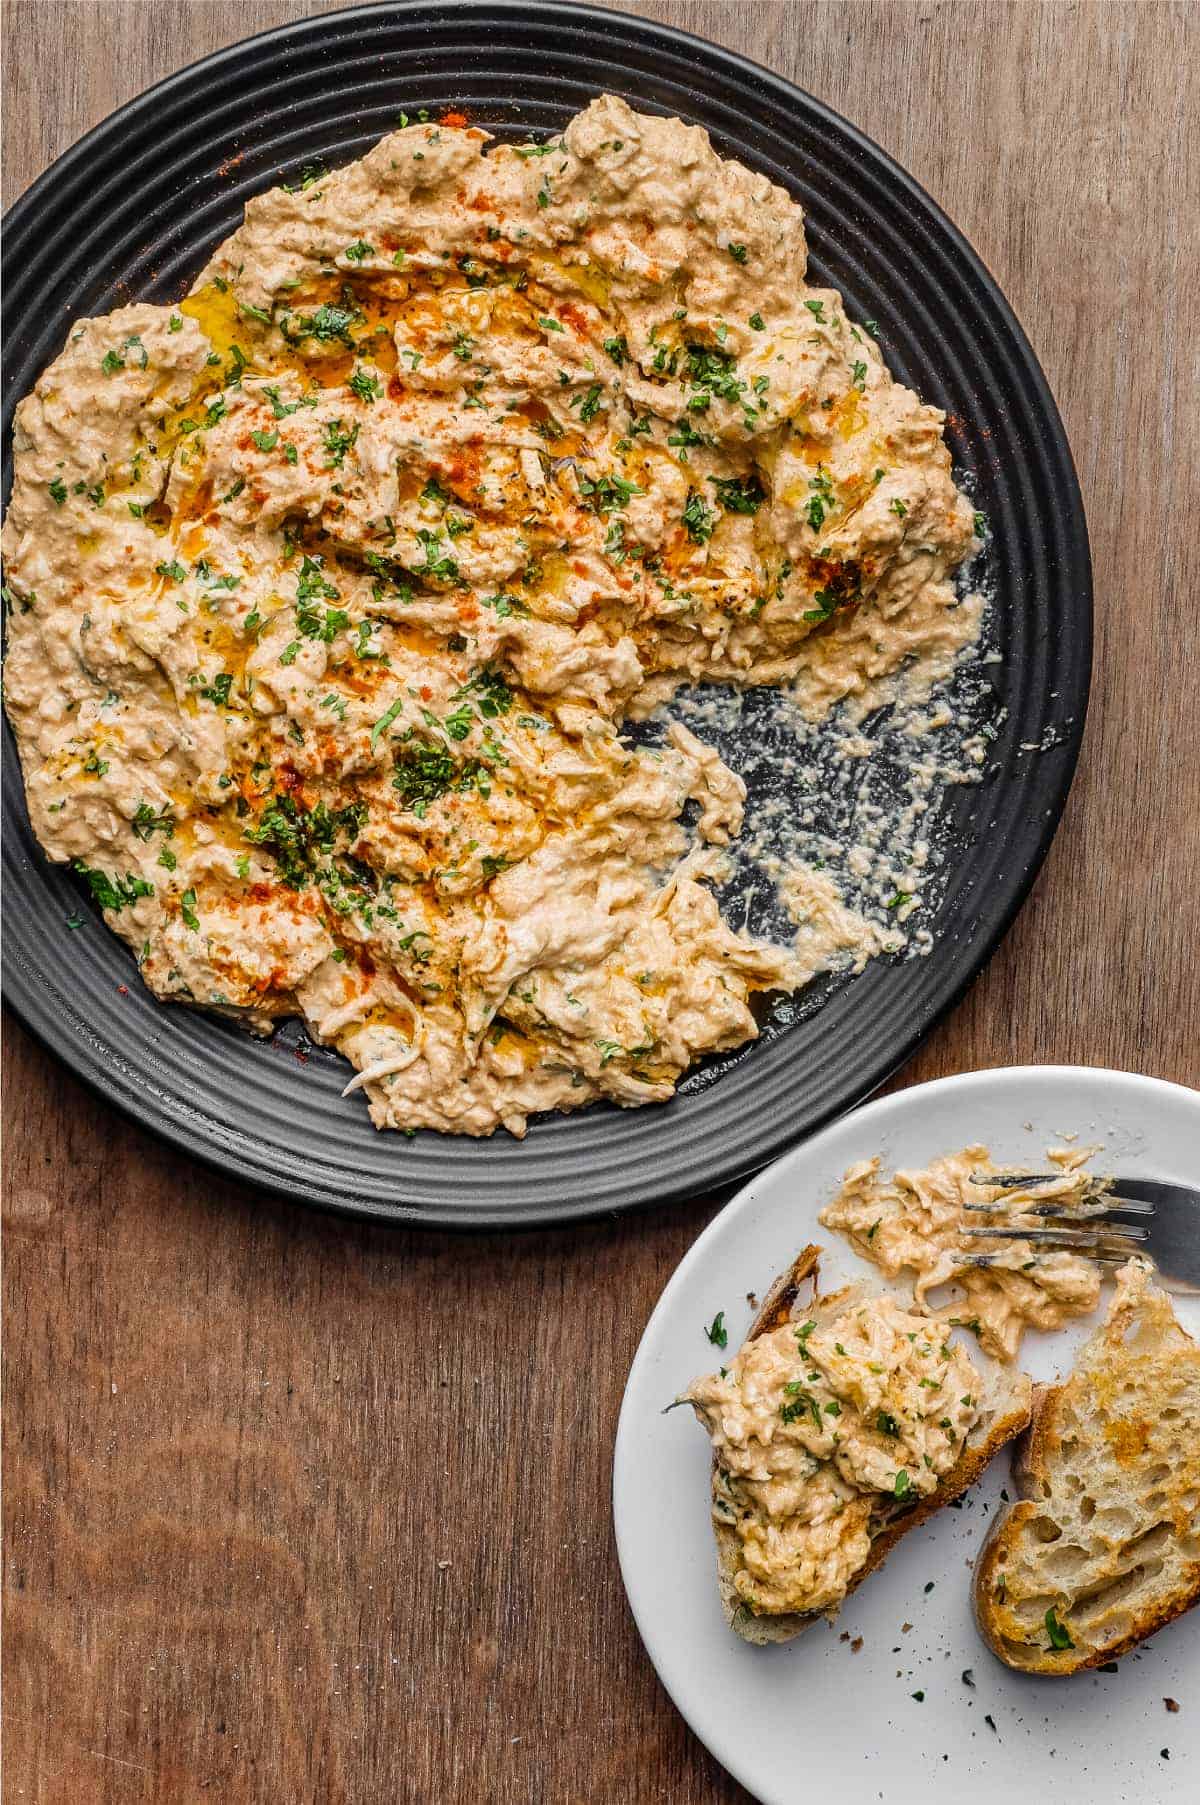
(133, 211)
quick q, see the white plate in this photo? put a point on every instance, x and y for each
(813, 1714)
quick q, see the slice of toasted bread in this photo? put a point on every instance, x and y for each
(1103, 1546)
(1005, 1399)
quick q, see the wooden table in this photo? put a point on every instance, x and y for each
(302, 1512)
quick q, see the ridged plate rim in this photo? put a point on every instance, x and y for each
(206, 1090)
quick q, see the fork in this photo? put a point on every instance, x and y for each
(1116, 1218)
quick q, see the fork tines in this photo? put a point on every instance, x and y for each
(1028, 1181)
(1133, 1232)
(1092, 1206)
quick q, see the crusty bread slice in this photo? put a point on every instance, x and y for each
(1103, 1546)
(1005, 1397)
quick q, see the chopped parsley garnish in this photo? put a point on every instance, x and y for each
(435, 493)
(58, 491)
(886, 1423)
(712, 373)
(385, 720)
(738, 252)
(364, 385)
(739, 495)
(425, 773)
(504, 605)
(312, 582)
(802, 1404)
(1057, 1632)
(114, 892)
(537, 150)
(174, 572)
(266, 441)
(357, 253)
(325, 626)
(827, 601)
(337, 440)
(145, 822)
(608, 493)
(218, 690)
(716, 1331)
(490, 692)
(438, 563)
(187, 908)
(297, 837)
(327, 324)
(698, 518)
(901, 1488)
(822, 501)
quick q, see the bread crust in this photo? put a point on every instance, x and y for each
(777, 1309)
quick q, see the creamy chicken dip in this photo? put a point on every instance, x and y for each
(914, 1222)
(334, 583)
(817, 1425)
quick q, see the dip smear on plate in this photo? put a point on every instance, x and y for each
(334, 583)
(913, 1223)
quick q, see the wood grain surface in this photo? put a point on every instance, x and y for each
(297, 1512)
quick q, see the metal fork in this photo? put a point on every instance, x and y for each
(1116, 1217)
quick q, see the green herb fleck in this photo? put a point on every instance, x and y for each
(114, 892)
(739, 495)
(364, 385)
(698, 518)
